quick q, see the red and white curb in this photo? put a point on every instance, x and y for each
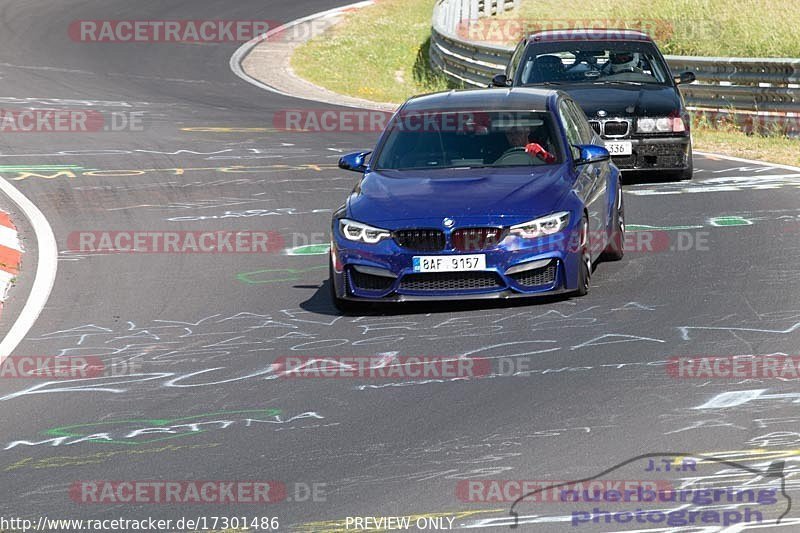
(10, 254)
(45, 270)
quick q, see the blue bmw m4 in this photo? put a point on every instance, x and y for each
(492, 193)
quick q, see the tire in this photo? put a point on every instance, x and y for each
(680, 175)
(616, 248)
(687, 173)
(341, 305)
(585, 268)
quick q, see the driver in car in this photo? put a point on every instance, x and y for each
(518, 136)
(527, 141)
(619, 62)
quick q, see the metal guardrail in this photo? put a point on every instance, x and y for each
(725, 83)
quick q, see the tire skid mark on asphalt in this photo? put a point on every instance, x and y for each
(719, 184)
(173, 171)
(64, 461)
(295, 330)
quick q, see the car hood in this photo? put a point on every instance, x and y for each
(478, 194)
(626, 100)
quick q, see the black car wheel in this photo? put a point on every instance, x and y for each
(585, 268)
(686, 174)
(616, 248)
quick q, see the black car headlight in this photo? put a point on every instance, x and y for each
(660, 125)
(357, 231)
(540, 227)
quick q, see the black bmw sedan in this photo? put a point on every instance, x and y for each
(624, 86)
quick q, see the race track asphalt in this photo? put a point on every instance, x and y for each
(202, 330)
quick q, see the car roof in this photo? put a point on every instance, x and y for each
(590, 34)
(494, 99)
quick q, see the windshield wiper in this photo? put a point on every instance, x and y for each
(529, 165)
(622, 82)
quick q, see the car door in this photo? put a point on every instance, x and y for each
(591, 182)
(604, 173)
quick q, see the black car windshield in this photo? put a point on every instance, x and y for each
(590, 61)
(468, 139)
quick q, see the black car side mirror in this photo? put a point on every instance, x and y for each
(685, 77)
(500, 80)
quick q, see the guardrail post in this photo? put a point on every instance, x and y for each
(453, 14)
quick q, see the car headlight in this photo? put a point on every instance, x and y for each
(542, 226)
(356, 231)
(645, 125)
(660, 125)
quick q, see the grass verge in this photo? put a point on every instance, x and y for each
(380, 53)
(773, 148)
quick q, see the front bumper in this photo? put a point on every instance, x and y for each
(517, 267)
(502, 295)
(655, 153)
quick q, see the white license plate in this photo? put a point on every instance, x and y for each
(449, 263)
(619, 147)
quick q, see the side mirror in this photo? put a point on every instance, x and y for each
(500, 80)
(685, 77)
(354, 161)
(591, 153)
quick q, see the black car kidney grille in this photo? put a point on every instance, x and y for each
(369, 282)
(596, 126)
(616, 128)
(473, 239)
(424, 240)
(450, 281)
(538, 276)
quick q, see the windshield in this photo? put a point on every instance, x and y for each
(593, 61)
(467, 139)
